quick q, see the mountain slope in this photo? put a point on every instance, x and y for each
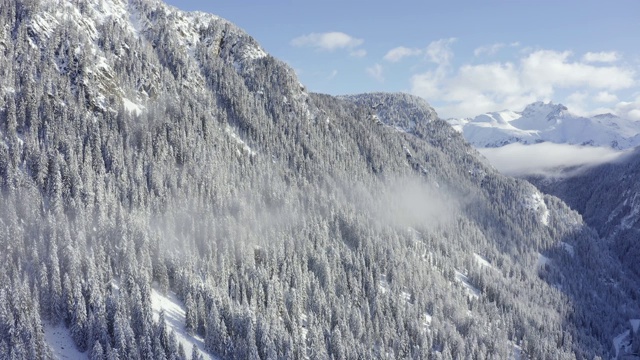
(608, 198)
(540, 122)
(167, 153)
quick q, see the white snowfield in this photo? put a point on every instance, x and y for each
(61, 344)
(548, 122)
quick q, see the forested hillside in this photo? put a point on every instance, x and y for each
(608, 197)
(146, 150)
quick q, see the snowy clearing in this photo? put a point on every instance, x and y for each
(472, 291)
(536, 203)
(59, 340)
(482, 261)
(245, 148)
(174, 314)
(132, 107)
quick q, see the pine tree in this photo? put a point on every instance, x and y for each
(96, 352)
(191, 314)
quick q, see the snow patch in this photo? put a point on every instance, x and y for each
(427, 321)
(245, 148)
(472, 291)
(481, 261)
(132, 107)
(535, 202)
(630, 219)
(60, 342)
(174, 315)
(383, 285)
(517, 352)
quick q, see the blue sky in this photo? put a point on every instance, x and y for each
(464, 57)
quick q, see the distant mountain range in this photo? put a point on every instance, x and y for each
(548, 122)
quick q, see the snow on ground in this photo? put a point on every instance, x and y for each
(383, 285)
(472, 291)
(635, 325)
(427, 320)
(481, 261)
(536, 203)
(239, 141)
(59, 340)
(174, 314)
(517, 352)
(632, 217)
(132, 107)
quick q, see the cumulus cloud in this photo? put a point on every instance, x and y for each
(376, 72)
(547, 159)
(329, 41)
(605, 97)
(605, 57)
(439, 52)
(401, 52)
(629, 109)
(548, 68)
(473, 89)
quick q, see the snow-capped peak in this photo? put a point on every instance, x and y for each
(540, 108)
(548, 122)
(92, 57)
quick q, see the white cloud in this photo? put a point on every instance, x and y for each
(548, 68)
(427, 84)
(333, 74)
(473, 89)
(629, 109)
(578, 102)
(439, 52)
(400, 52)
(493, 48)
(547, 158)
(605, 56)
(376, 72)
(328, 41)
(605, 97)
(488, 49)
(358, 53)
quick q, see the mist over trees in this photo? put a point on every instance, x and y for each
(145, 148)
(607, 197)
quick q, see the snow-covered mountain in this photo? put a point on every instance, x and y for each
(548, 122)
(402, 111)
(158, 164)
